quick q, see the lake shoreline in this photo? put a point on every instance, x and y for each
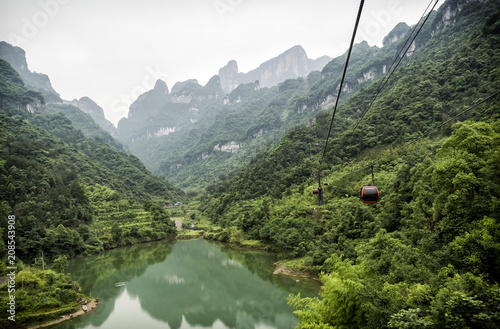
(282, 269)
(91, 305)
(155, 275)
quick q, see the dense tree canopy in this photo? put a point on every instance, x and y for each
(427, 254)
(51, 174)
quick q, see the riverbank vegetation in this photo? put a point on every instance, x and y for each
(69, 195)
(41, 295)
(426, 255)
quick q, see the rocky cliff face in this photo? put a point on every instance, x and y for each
(231, 147)
(16, 57)
(291, 64)
(396, 34)
(450, 11)
(229, 79)
(158, 113)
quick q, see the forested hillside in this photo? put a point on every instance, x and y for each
(71, 194)
(84, 113)
(196, 134)
(427, 255)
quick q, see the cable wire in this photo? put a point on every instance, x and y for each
(400, 56)
(340, 88)
(425, 134)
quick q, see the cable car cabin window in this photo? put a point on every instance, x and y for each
(369, 194)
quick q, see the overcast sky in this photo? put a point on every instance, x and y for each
(112, 51)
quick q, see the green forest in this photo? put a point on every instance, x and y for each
(426, 255)
(70, 194)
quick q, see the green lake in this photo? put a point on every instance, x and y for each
(185, 284)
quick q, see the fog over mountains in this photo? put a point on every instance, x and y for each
(234, 113)
(292, 64)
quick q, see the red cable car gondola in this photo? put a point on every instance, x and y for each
(315, 191)
(325, 183)
(369, 194)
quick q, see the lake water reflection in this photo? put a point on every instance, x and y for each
(185, 284)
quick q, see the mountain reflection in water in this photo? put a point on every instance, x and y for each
(186, 284)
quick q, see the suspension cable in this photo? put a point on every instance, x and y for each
(423, 135)
(338, 96)
(400, 56)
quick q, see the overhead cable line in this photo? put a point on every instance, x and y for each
(320, 195)
(425, 134)
(401, 53)
(400, 56)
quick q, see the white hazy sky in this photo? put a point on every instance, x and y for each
(112, 51)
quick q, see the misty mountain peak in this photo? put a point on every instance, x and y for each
(181, 84)
(87, 105)
(229, 76)
(291, 64)
(161, 87)
(16, 57)
(232, 65)
(151, 100)
(397, 33)
(296, 49)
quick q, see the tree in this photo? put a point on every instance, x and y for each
(478, 251)
(60, 264)
(116, 231)
(463, 180)
(342, 302)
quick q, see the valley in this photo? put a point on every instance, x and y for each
(232, 167)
